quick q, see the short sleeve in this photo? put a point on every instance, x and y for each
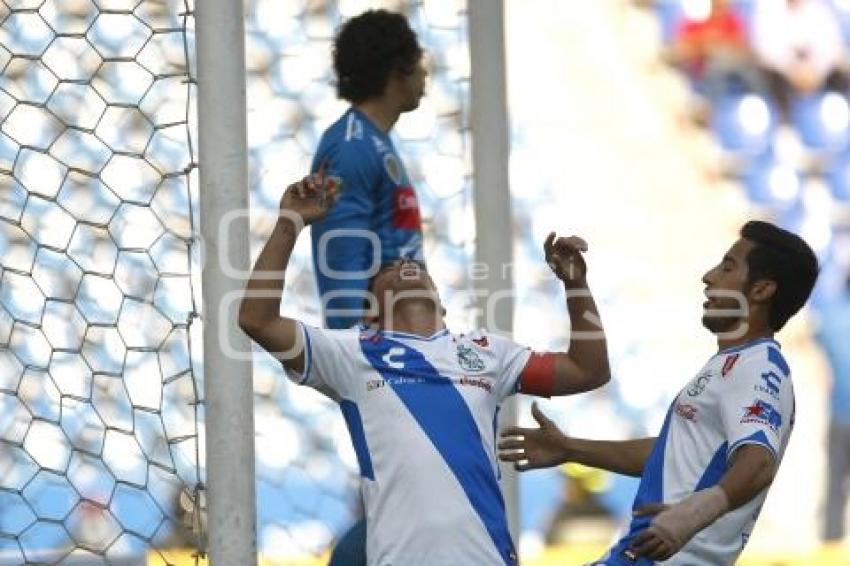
(512, 358)
(757, 402)
(326, 362)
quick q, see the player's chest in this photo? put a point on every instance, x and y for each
(698, 401)
(429, 368)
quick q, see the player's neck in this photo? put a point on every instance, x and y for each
(381, 112)
(418, 317)
(744, 334)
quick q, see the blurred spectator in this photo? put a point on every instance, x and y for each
(714, 52)
(834, 335)
(800, 45)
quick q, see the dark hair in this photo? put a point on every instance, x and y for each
(783, 257)
(368, 48)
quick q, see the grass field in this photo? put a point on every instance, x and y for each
(574, 555)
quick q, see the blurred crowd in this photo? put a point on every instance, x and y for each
(771, 80)
(779, 49)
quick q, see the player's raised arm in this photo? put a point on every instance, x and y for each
(585, 365)
(546, 446)
(302, 203)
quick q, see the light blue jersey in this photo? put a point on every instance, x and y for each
(375, 220)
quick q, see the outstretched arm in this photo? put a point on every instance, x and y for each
(531, 448)
(752, 470)
(259, 312)
(585, 365)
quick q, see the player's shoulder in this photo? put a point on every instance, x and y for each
(351, 334)
(352, 131)
(483, 339)
(757, 357)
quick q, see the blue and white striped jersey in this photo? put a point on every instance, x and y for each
(422, 414)
(743, 395)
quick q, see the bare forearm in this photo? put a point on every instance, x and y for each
(752, 470)
(627, 457)
(588, 347)
(265, 287)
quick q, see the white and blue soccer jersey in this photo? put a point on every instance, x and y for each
(743, 395)
(422, 414)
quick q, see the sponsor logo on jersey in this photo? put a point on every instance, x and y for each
(406, 209)
(474, 382)
(469, 359)
(729, 363)
(687, 412)
(380, 146)
(699, 384)
(762, 412)
(772, 381)
(393, 167)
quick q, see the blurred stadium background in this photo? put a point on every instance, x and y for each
(101, 420)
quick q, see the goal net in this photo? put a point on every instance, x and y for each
(101, 411)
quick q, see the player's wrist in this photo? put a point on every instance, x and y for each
(575, 284)
(681, 521)
(288, 226)
(568, 449)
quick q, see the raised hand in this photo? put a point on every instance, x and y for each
(311, 197)
(531, 448)
(564, 256)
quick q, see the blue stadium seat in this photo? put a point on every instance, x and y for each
(838, 178)
(823, 121)
(745, 124)
(770, 183)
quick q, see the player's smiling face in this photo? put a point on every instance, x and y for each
(726, 302)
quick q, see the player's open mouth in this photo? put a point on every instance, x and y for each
(410, 271)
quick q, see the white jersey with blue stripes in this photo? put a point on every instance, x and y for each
(422, 414)
(741, 396)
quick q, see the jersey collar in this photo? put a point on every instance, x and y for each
(750, 344)
(409, 336)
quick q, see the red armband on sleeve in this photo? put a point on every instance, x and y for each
(538, 377)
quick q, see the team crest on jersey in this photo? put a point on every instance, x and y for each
(468, 359)
(762, 412)
(699, 384)
(481, 341)
(393, 167)
(729, 363)
(333, 183)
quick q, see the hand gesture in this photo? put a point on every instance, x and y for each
(531, 448)
(311, 197)
(564, 256)
(653, 543)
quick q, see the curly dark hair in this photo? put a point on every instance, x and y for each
(368, 48)
(783, 257)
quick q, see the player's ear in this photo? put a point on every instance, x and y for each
(762, 290)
